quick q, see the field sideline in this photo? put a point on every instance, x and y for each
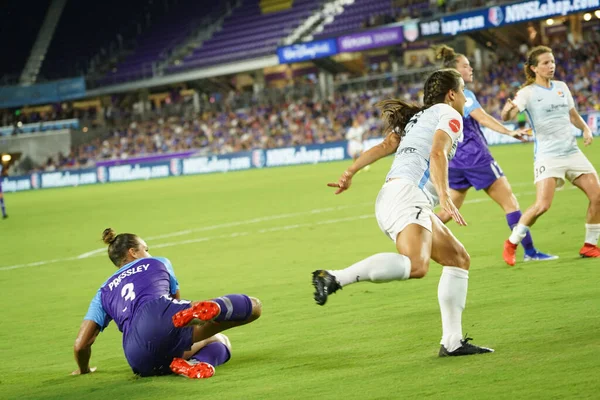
(262, 232)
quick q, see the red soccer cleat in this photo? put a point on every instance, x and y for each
(509, 253)
(199, 370)
(589, 251)
(204, 311)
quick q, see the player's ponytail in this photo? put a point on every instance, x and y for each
(532, 61)
(396, 113)
(447, 55)
(108, 236)
(119, 245)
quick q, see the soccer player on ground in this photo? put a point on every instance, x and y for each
(161, 333)
(551, 111)
(423, 138)
(473, 165)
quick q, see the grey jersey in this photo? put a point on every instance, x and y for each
(548, 112)
(411, 161)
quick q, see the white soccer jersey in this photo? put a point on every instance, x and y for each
(548, 112)
(411, 161)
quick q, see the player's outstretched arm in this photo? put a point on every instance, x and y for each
(580, 124)
(388, 146)
(88, 332)
(490, 122)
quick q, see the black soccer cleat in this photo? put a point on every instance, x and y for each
(325, 284)
(466, 349)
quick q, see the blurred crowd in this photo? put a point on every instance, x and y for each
(308, 120)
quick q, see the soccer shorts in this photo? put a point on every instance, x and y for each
(355, 147)
(568, 168)
(151, 341)
(399, 204)
(479, 177)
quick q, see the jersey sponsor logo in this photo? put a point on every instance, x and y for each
(454, 125)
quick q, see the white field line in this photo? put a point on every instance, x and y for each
(98, 252)
(201, 229)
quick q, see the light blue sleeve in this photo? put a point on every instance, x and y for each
(471, 104)
(96, 312)
(174, 284)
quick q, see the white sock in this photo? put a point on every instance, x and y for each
(592, 233)
(452, 296)
(518, 233)
(379, 268)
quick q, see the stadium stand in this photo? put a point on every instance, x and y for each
(168, 31)
(254, 29)
(288, 120)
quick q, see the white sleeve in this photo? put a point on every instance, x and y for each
(569, 96)
(522, 98)
(451, 122)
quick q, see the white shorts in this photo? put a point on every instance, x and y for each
(563, 168)
(355, 147)
(399, 204)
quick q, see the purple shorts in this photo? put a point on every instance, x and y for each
(151, 342)
(478, 177)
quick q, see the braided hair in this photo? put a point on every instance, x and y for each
(396, 113)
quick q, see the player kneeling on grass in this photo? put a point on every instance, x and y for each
(161, 333)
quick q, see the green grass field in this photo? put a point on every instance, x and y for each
(263, 232)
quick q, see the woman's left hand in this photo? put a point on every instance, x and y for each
(588, 138)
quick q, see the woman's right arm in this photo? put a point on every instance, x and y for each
(88, 332)
(388, 146)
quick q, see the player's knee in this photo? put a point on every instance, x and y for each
(419, 268)
(256, 308)
(595, 201)
(460, 258)
(219, 337)
(443, 216)
(463, 259)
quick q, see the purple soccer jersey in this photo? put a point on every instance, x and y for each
(132, 286)
(473, 151)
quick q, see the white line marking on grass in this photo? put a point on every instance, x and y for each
(95, 253)
(236, 223)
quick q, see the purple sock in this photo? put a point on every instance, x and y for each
(513, 220)
(234, 307)
(215, 353)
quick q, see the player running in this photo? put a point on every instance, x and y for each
(474, 166)
(161, 333)
(423, 138)
(552, 114)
